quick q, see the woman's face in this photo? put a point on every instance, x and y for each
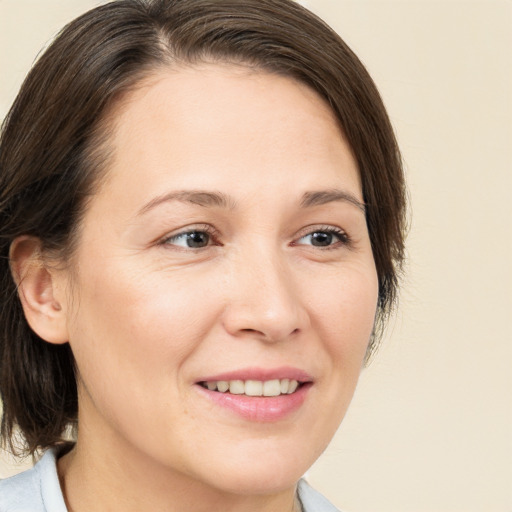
(228, 244)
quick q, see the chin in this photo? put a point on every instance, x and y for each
(264, 480)
(263, 469)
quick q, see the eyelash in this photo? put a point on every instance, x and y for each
(204, 228)
(343, 238)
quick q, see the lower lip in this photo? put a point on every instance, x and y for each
(259, 408)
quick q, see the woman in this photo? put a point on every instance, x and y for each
(201, 214)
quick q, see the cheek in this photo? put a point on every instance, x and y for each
(345, 308)
(344, 320)
(132, 335)
(132, 322)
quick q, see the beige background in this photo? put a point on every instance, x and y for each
(430, 428)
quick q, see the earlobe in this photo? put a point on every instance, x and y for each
(39, 290)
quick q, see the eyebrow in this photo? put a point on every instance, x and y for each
(320, 197)
(207, 199)
(199, 197)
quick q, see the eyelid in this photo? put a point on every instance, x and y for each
(207, 228)
(344, 238)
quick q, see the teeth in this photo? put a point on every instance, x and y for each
(293, 386)
(254, 388)
(236, 387)
(273, 387)
(222, 385)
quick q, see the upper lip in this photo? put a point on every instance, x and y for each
(261, 374)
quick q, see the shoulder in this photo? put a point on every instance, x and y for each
(35, 490)
(313, 501)
(21, 492)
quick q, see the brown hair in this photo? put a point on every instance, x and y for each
(49, 158)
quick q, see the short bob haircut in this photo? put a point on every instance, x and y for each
(54, 149)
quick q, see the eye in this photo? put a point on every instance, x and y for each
(325, 237)
(193, 239)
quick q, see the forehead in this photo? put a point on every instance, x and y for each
(227, 125)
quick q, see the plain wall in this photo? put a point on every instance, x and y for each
(430, 427)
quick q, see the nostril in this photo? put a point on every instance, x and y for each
(269, 336)
(265, 323)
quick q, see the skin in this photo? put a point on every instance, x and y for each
(147, 316)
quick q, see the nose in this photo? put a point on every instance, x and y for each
(263, 300)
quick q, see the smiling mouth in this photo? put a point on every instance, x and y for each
(269, 388)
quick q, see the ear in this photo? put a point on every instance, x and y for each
(40, 289)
